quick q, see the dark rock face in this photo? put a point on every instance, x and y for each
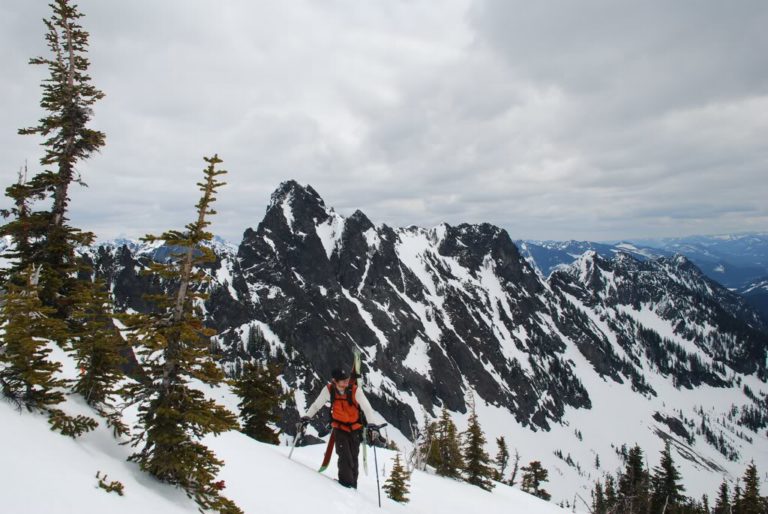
(443, 313)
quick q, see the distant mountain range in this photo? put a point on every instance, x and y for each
(739, 262)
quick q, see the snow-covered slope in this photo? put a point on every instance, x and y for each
(46, 473)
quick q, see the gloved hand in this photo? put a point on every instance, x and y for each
(374, 434)
(301, 425)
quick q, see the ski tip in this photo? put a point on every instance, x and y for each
(322, 468)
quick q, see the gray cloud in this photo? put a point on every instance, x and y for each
(596, 119)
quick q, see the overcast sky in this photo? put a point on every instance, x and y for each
(555, 120)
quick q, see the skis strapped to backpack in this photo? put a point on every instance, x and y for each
(332, 438)
(359, 376)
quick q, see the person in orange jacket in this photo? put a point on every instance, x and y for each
(347, 402)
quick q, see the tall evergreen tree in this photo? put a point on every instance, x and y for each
(502, 459)
(397, 484)
(667, 491)
(174, 344)
(261, 395)
(42, 237)
(28, 378)
(751, 502)
(534, 474)
(633, 490)
(477, 463)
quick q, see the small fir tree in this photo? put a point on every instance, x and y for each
(633, 490)
(28, 378)
(429, 450)
(736, 501)
(261, 395)
(448, 447)
(751, 502)
(610, 494)
(534, 474)
(723, 502)
(666, 495)
(502, 459)
(598, 499)
(175, 347)
(397, 485)
(477, 468)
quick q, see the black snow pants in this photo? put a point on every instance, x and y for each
(347, 450)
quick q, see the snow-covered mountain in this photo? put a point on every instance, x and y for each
(547, 256)
(756, 294)
(605, 352)
(734, 260)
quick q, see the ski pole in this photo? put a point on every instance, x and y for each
(376, 463)
(299, 432)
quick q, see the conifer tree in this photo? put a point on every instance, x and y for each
(450, 461)
(736, 501)
(723, 502)
(598, 499)
(261, 395)
(515, 469)
(502, 459)
(430, 449)
(610, 494)
(28, 378)
(633, 490)
(667, 491)
(96, 345)
(174, 344)
(397, 484)
(751, 502)
(534, 474)
(42, 238)
(477, 468)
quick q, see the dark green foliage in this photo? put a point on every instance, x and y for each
(634, 482)
(449, 460)
(477, 468)
(174, 344)
(723, 503)
(751, 502)
(534, 475)
(261, 395)
(96, 344)
(502, 459)
(667, 491)
(397, 485)
(599, 505)
(27, 377)
(71, 426)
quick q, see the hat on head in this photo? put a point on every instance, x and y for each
(339, 374)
